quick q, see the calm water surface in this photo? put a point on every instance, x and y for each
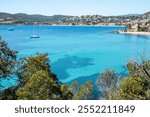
(78, 53)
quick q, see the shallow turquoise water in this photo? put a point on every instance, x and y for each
(77, 52)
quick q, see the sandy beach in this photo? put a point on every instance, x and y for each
(135, 33)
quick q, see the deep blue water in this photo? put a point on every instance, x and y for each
(78, 52)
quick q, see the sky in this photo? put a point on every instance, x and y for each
(75, 7)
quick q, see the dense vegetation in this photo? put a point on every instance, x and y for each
(135, 86)
(7, 60)
(37, 82)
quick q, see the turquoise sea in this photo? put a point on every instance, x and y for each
(78, 53)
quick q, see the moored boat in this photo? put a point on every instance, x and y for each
(34, 36)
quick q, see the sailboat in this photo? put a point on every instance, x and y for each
(33, 34)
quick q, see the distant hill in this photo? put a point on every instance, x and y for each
(5, 15)
(147, 13)
(33, 18)
(128, 15)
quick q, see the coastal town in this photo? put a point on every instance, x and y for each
(134, 22)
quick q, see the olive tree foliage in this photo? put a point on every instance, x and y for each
(38, 82)
(40, 86)
(30, 65)
(139, 69)
(79, 92)
(7, 60)
(129, 89)
(83, 92)
(137, 85)
(107, 82)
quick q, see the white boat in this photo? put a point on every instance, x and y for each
(33, 34)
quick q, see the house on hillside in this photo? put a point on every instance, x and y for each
(134, 28)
